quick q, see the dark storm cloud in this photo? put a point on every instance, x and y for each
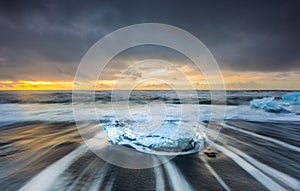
(242, 35)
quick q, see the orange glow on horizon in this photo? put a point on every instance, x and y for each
(36, 82)
(35, 85)
(232, 80)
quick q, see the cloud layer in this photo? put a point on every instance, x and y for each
(47, 39)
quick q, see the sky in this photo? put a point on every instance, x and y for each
(255, 43)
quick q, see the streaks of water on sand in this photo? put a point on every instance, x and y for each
(110, 184)
(160, 184)
(281, 143)
(5, 146)
(21, 160)
(96, 185)
(79, 177)
(211, 170)
(254, 172)
(282, 177)
(45, 179)
(177, 180)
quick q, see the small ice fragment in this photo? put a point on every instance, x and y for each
(268, 104)
(293, 98)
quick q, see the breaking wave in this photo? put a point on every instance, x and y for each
(140, 97)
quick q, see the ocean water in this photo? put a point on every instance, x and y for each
(41, 149)
(56, 106)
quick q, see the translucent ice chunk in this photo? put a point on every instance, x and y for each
(290, 103)
(293, 98)
(268, 104)
(169, 139)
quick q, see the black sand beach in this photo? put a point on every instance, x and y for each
(247, 156)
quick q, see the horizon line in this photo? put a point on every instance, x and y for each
(154, 90)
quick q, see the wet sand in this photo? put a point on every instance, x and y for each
(246, 156)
